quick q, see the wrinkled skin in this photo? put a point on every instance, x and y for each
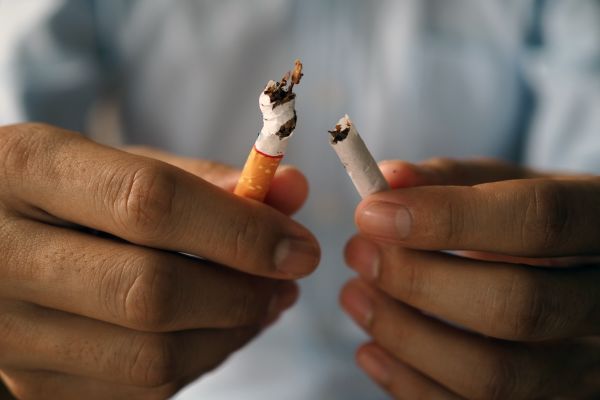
(97, 300)
(512, 312)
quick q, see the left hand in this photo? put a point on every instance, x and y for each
(513, 315)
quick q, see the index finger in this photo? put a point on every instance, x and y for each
(447, 171)
(531, 217)
(150, 203)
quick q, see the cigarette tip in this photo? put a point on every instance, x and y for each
(270, 85)
(341, 130)
(345, 121)
(297, 73)
(282, 91)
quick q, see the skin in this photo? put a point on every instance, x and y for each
(512, 313)
(122, 314)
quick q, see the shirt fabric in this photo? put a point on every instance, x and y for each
(514, 79)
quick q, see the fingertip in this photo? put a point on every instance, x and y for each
(297, 255)
(349, 250)
(289, 190)
(363, 208)
(346, 290)
(353, 250)
(375, 362)
(363, 256)
(287, 295)
(397, 377)
(400, 174)
(387, 216)
(365, 348)
(360, 207)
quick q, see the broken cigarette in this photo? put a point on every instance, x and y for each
(276, 103)
(356, 158)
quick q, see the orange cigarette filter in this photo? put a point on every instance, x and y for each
(257, 175)
(276, 103)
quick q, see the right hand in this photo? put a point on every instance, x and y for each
(127, 317)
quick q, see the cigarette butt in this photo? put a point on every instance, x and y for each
(356, 158)
(256, 176)
(277, 104)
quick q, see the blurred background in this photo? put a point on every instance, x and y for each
(513, 79)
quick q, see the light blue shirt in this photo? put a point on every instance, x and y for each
(515, 79)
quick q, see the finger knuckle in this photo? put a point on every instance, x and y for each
(520, 311)
(153, 361)
(501, 381)
(547, 220)
(14, 261)
(11, 327)
(249, 234)
(450, 224)
(151, 296)
(411, 285)
(144, 202)
(528, 323)
(17, 147)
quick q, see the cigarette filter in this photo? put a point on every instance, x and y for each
(277, 104)
(356, 158)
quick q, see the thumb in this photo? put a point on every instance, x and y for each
(289, 188)
(445, 171)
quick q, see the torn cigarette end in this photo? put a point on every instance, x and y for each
(277, 104)
(356, 158)
(297, 74)
(338, 134)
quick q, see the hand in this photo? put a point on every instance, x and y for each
(88, 316)
(513, 316)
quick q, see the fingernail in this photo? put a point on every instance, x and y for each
(377, 365)
(366, 260)
(385, 220)
(359, 306)
(296, 257)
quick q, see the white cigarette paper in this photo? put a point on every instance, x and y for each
(279, 122)
(356, 158)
